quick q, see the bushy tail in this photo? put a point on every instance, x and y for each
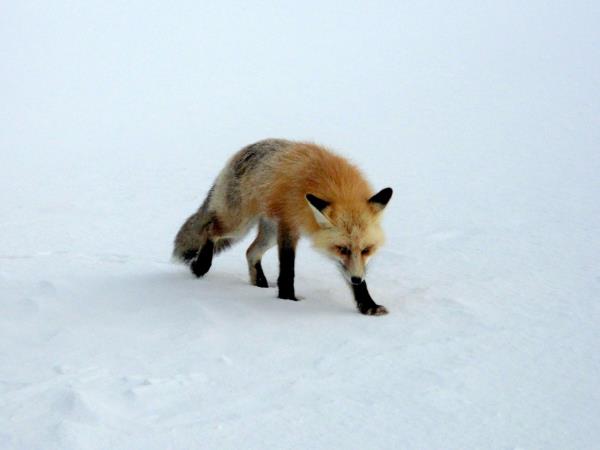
(191, 237)
(193, 233)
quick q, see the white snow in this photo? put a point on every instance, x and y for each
(485, 118)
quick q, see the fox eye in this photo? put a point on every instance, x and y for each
(366, 250)
(344, 250)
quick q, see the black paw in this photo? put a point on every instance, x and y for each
(203, 261)
(288, 296)
(373, 310)
(261, 280)
(200, 267)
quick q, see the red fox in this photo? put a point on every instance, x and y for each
(289, 189)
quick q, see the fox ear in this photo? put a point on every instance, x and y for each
(381, 199)
(317, 205)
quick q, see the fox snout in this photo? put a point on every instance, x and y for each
(354, 269)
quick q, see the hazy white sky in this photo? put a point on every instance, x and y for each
(481, 94)
(430, 76)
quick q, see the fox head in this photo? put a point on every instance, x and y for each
(349, 231)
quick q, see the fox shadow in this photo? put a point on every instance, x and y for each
(228, 291)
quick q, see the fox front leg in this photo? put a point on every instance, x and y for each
(286, 241)
(365, 303)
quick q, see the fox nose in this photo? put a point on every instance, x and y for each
(356, 280)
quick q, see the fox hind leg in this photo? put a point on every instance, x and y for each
(213, 244)
(201, 264)
(265, 239)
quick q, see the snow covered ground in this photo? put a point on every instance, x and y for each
(485, 118)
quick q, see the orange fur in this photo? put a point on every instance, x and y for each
(308, 168)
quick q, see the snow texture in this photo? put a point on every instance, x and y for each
(484, 117)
